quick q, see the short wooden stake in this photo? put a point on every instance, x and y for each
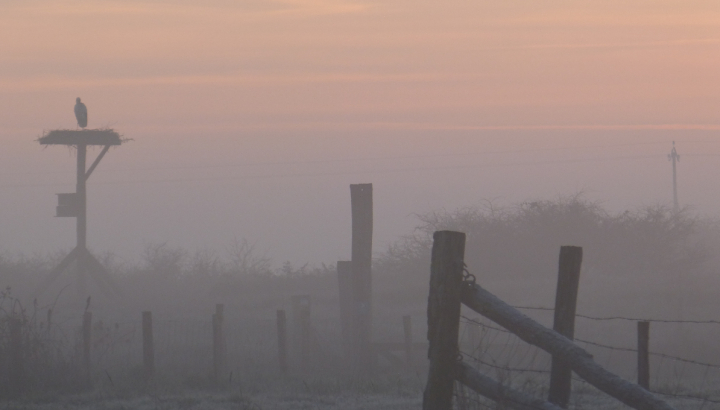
(16, 375)
(282, 340)
(148, 345)
(345, 293)
(446, 275)
(87, 344)
(218, 343)
(303, 329)
(564, 321)
(407, 331)
(643, 330)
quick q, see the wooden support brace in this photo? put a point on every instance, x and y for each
(505, 396)
(96, 162)
(580, 361)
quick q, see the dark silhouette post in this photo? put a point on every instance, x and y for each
(564, 321)
(148, 345)
(81, 203)
(674, 157)
(345, 292)
(446, 276)
(643, 329)
(282, 340)
(362, 230)
(218, 343)
(87, 344)
(303, 330)
(16, 366)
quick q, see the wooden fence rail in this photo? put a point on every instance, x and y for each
(448, 290)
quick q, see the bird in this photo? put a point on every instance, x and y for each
(80, 113)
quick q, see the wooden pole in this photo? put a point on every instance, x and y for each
(446, 272)
(87, 344)
(344, 272)
(582, 363)
(218, 343)
(81, 220)
(407, 331)
(282, 340)
(362, 229)
(220, 312)
(564, 322)
(303, 330)
(643, 330)
(148, 345)
(16, 375)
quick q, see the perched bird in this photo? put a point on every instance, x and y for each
(81, 113)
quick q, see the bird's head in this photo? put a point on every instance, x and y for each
(77, 100)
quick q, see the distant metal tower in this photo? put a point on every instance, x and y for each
(674, 157)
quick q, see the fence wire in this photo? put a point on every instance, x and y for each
(498, 353)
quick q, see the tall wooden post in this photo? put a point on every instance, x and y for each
(15, 368)
(148, 345)
(564, 321)
(218, 343)
(643, 330)
(345, 292)
(407, 332)
(446, 274)
(362, 229)
(87, 344)
(303, 329)
(81, 219)
(282, 340)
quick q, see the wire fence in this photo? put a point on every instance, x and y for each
(683, 374)
(183, 348)
(494, 351)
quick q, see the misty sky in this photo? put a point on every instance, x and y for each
(250, 119)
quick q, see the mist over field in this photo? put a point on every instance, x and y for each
(224, 198)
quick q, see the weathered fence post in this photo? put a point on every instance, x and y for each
(564, 321)
(446, 275)
(344, 273)
(407, 332)
(643, 330)
(282, 340)
(87, 343)
(15, 374)
(218, 343)
(148, 345)
(303, 330)
(362, 228)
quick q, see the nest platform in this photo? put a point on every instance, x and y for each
(78, 137)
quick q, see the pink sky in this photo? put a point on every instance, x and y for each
(236, 108)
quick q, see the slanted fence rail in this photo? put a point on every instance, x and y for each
(452, 286)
